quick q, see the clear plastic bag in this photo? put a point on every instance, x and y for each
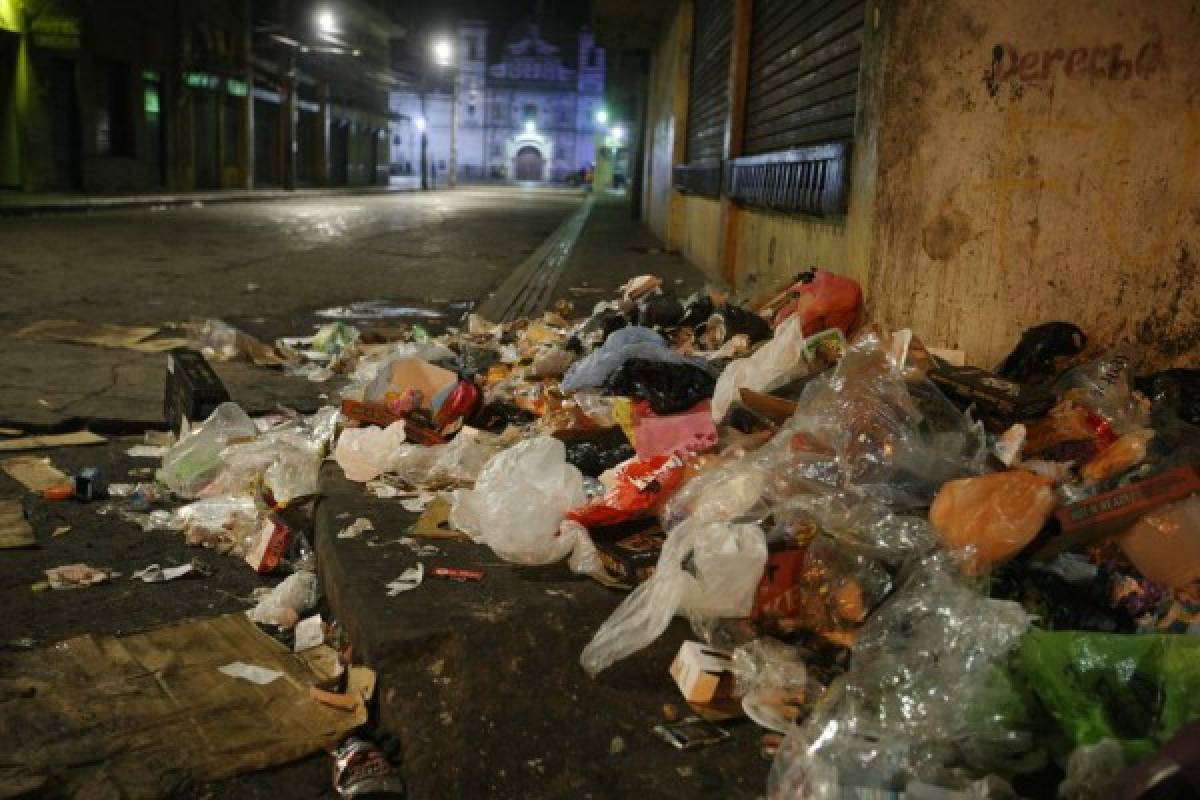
(773, 683)
(707, 569)
(895, 440)
(520, 501)
(897, 714)
(366, 453)
(288, 602)
(195, 460)
(1106, 386)
(627, 343)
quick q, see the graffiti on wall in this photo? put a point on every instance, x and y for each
(1114, 62)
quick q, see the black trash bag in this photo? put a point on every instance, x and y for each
(1033, 359)
(668, 387)
(594, 455)
(494, 417)
(1067, 594)
(1176, 389)
(739, 320)
(661, 310)
(696, 310)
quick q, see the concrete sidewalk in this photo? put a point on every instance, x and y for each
(18, 204)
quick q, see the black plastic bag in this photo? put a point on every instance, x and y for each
(593, 455)
(1033, 359)
(1177, 389)
(668, 387)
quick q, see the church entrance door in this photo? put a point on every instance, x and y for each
(529, 164)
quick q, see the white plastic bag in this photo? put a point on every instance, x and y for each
(519, 503)
(707, 569)
(366, 453)
(288, 602)
(775, 363)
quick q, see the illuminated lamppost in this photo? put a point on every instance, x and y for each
(443, 56)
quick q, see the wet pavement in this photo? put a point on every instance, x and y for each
(268, 268)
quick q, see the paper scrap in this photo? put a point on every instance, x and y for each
(423, 550)
(77, 576)
(156, 574)
(409, 579)
(356, 528)
(61, 530)
(102, 335)
(249, 672)
(309, 634)
(383, 490)
(146, 451)
(434, 523)
(15, 530)
(51, 440)
(418, 504)
(35, 473)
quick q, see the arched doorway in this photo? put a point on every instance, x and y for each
(529, 164)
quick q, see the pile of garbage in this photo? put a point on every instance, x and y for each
(915, 575)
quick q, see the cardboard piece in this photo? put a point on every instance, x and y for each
(702, 673)
(34, 473)
(76, 439)
(15, 530)
(146, 714)
(434, 523)
(404, 374)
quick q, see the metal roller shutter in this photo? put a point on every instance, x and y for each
(708, 103)
(801, 98)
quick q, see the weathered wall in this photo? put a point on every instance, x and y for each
(701, 233)
(1039, 162)
(664, 131)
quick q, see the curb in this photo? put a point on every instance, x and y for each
(75, 206)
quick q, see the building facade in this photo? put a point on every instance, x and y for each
(127, 96)
(528, 116)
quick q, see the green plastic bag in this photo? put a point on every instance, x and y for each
(1135, 688)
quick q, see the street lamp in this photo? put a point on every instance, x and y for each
(443, 56)
(602, 116)
(326, 21)
(618, 134)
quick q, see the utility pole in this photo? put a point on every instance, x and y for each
(454, 75)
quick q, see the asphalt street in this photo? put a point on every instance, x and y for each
(265, 267)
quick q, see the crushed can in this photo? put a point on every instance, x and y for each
(360, 769)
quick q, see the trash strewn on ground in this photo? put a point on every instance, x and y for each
(50, 440)
(911, 572)
(15, 530)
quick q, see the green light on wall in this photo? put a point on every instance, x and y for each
(150, 75)
(201, 80)
(10, 15)
(150, 98)
(236, 88)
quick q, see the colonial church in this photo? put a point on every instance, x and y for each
(531, 116)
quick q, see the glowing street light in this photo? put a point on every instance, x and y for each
(326, 21)
(618, 134)
(420, 123)
(602, 116)
(530, 126)
(443, 52)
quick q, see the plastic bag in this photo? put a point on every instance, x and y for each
(195, 460)
(365, 453)
(1090, 770)
(779, 361)
(1175, 389)
(773, 683)
(633, 342)
(637, 488)
(668, 387)
(990, 518)
(1138, 689)
(292, 599)
(897, 715)
(827, 300)
(520, 501)
(706, 569)
(894, 440)
(1033, 360)
(1128, 451)
(1165, 544)
(1106, 386)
